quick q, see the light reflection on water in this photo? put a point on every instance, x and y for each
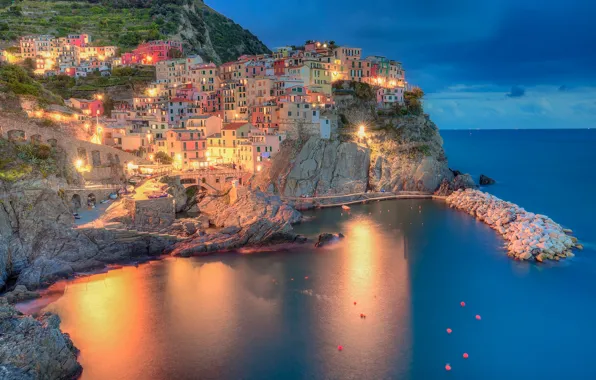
(406, 264)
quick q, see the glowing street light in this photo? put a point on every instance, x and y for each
(259, 167)
(361, 131)
(78, 164)
(151, 157)
(99, 97)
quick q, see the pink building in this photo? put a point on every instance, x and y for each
(88, 107)
(79, 40)
(187, 147)
(149, 53)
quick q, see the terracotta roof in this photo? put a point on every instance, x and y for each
(234, 126)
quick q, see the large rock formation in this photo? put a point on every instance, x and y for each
(328, 167)
(34, 348)
(38, 243)
(408, 156)
(254, 219)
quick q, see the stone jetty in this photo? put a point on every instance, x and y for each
(529, 236)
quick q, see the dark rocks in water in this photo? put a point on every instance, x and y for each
(327, 238)
(484, 180)
(19, 294)
(35, 348)
(463, 181)
(456, 172)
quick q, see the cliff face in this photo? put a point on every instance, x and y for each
(38, 244)
(403, 153)
(328, 167)
(35, 348)
(408, 156)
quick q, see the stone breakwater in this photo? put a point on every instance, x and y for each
(529, 236)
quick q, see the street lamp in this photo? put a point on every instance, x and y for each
(361, 132)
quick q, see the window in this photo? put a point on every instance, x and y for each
(314, 113)
(258, 149)
(289, 113)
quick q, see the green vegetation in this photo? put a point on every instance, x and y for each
(15, 80)
(163, 158)
(18, 160)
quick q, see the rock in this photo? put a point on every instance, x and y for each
(230, 230)
(19, 294)
(35, 348)
(484, 180)
(579, 246)
(256, 218)
(444, 189)
(567, 231)
(528, 235)
(328, 167)
(462, 182)
(190, 228)
(327, 238)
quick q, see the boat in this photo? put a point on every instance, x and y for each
(345, 207)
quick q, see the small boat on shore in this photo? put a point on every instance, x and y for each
(345, 207)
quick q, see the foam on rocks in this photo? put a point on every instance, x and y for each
(529, 236)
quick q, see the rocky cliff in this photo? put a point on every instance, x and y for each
(38, 243)
(254, 218)
(402, 153)
(35, 348)
(326, 167)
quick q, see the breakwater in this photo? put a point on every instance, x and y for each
(529, 236)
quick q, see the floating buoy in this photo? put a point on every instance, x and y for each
(449, 331)
(478, 317)
(462, 303)
(345, 207)
(291, 279)
(339, 348)
(306, 277)
(465, 355)
(447, 367)
(354, 302)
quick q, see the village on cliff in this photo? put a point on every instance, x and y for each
(195, 114)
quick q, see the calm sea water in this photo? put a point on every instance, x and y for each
(406, 264)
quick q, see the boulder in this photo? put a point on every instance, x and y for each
(35, 348)
(462, 182)
(327, 238)
(484, 180)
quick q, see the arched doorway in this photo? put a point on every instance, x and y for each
(17, 135)
(53, 142)
(76, 202)
(35, 139)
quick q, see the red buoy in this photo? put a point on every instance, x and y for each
(462, 303)
(465, 355)
(447, 367)
(339, 348)
(478, 317)
(449, 331)
(306, 277)
(354, 302)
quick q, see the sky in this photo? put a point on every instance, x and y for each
(482, 63)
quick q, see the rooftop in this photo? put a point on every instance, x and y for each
(234, 126)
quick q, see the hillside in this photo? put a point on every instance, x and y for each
(126, 23)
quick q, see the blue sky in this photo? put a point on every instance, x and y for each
(482, 63)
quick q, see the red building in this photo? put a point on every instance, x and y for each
(279, 67)
(88, 107)
(149, 53)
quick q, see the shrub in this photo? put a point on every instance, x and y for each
(163, 158)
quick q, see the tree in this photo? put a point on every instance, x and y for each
(163, 158)
(413, 100)
(29, 64)
(174, 53)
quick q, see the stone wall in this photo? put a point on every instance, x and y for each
(151, 213)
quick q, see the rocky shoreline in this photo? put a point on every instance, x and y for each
(35, 348)
(529, 236)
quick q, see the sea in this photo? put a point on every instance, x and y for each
(375, 305)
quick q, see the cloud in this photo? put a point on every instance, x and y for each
(540, 107)
(516, 92)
